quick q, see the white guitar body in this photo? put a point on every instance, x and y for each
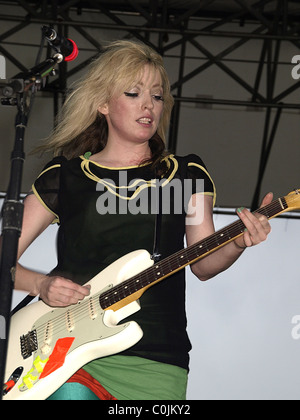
(96, 332)
(47, 345)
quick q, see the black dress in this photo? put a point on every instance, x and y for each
(105, 213)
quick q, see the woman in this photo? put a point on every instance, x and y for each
(109, 147)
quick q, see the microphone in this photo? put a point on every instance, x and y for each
(62, 45)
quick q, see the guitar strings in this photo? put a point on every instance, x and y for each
(62, 319)
(82, 310)
(72, 314)
(233, 230)
(76, 314)
(190, 253)
(131, 282)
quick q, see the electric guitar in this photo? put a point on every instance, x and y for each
(48, 345)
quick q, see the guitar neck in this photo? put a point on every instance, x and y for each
(137, 285)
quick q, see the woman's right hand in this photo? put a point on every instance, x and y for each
(54, 291)
(61, 292)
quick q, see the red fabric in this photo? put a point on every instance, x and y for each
(58, 356)
(84, 378)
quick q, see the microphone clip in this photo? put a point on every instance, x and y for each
(64, 46)
(34, 79)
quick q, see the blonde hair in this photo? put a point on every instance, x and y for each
(81, 127)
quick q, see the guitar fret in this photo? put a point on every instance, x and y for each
(180, 259)
(121, 292)
(170, 268)
(183, 258)
(228, 234)
(264, 211)
(147, 277)
(157, 270)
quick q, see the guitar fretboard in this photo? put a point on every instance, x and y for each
(182, 258)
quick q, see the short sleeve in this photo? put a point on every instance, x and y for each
(47, 186)
(202, 181)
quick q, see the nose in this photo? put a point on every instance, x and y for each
(148, 101)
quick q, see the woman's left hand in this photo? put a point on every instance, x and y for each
(257, 226)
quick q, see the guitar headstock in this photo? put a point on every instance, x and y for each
(293, 200)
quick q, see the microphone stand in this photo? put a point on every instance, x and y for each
(16, 93)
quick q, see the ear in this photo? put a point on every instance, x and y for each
(103, 109)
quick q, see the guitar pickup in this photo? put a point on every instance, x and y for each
(29, 344)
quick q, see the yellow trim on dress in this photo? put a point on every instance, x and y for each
(56, 220)
(112, 188)
(214, 194)
(113, 168)
(48, 169)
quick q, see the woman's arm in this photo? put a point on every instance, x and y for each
(257, 226)
(55, 291)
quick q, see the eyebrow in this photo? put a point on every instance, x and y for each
(154, 86)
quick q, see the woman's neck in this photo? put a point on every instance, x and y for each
(122, 155)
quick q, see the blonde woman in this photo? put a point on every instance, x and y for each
(108, 147)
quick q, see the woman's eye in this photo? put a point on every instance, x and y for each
(135, 95)
(131, 94)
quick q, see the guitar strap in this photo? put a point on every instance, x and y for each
(22, 304)
(156, 256)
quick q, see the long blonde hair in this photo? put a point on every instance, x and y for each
(80, 126)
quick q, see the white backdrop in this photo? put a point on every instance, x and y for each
(240, 323)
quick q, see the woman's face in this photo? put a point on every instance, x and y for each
(135, 115)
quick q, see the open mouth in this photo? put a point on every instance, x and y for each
(145, 121)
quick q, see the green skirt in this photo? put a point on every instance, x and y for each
(135, 378)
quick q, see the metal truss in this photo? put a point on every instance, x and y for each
(170, 24)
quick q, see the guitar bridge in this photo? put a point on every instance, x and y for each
(29, 344)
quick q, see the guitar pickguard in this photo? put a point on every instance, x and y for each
(52, 332)
(51, 344)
